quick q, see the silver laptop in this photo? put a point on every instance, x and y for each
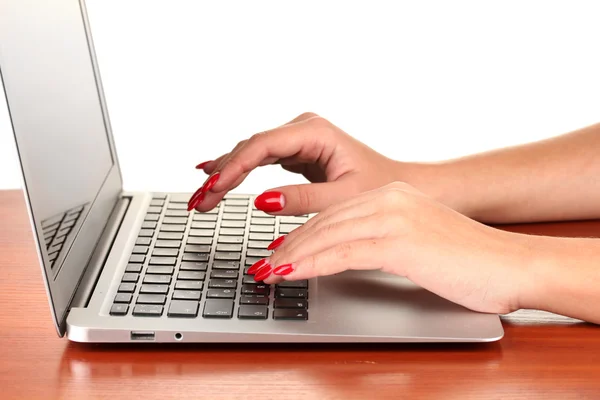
(122, 267)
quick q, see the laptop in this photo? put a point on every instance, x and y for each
(138, 267)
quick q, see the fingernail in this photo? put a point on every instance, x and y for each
(197, 198)
(270, 201)
(276, 243)
(257, 266)
(210, 182)
(202, 164)
(263, 273)
(283, 270)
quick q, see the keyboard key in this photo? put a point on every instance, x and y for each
(193, 266)
(205, 217)
(235, 209)
(249, 280)
(258, 253)
(137, 258)
(187, 295)
(161, 279)
(175, 220)
(123, 298)
(228, 256)
(204, 225)
(262, 228)
(282, 313)
(191, 275)
(259, 236)
(258, 300)
(189, 285)
(229, 247)
(225, 274)
(197, 257)
(147, 310)
(253, 312)
(151, 218)
(140, 249)
(231, 239)
(154, 289)
(231, 232)
(218, 308)
(258, 244)
(177, 206)
(179, 198)
(236, 202)
(172, 244)
(130, 277)
(136, 268)
(146, 233)
(157, 203)
(143, 241)
(303, 284)
(183, 308)
(233, 224)
(159, 196)
(163, 260)
(287, 228)
(149, 225)
(163, 252)
(151, 299)
(220, 264)
(291, 303)
(261, 214)
(170, 235)
(220, 294)
(127, 287)
(176, 213)
(262, 290)
(160, 269)
(222, 283)
(197, 248)
(262, 221)
(291, 293)
(292, 220)
(154, 210)
(202, 232)
(234, 217)
(172, 228)
(199, 240)
(252, 260)
(119, 309)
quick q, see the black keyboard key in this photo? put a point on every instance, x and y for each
(143, 241)
(233, 224)
(258, 253)
(252, 260)
(137, 258)
(151, 218)
(135, 268)
(157, 203)
(229, 247)
(123, 298)
(283, 313)
(262, 290)
(222, 283)
(163, 260)
(187, 295)
(189, 285)
(119, 309)
(258, 300)
(204, 225)
(303, 284)
(140, 249)
(151, 299)
(160, 269)
(154, 289)
(170, 235)
(259, 244)
(130, 277)
(262, 228)
(149, 225)
(193, 266)
(249, 280)
(154, 210)
(218, 308)
(225, 273)
(172, 228)
(160, 279)
(228, 256)
(259, 236)
(202, 232)
(191, 275)
(164, 252)
(176, 213)
(253, 312)
(147, 310)
(291, 293)
(175, 220)
(169, 244)
(231, 239)
(146, 232)
(197, 248)
(221, 264)
(291, 303)
(205, 217)
(199, 240)
(220, 293)
(183, 308)
(127, 287)
(196, 257)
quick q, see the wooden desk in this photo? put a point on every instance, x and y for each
(541, 356)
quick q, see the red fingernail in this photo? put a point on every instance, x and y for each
(210, 182)
(283, 269)
(257, 266)
(202, 164)
(276, 243)
(270, 201)
(263, 273)
(196, 199)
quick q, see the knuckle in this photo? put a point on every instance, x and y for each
(306, 115)
(257, 137)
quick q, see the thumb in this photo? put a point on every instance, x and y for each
(304, 199)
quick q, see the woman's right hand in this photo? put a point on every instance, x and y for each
(338, 166)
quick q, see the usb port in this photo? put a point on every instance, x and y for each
(139, 335)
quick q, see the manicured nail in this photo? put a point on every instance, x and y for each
(196, 199)
(257, 266)
(270, 201)
(283, 269)
(276, 243)
(202, 164)
(263, 274)
(210, 182)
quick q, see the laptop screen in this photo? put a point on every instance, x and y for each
(62, 134)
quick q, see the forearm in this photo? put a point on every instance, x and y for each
(554, 179)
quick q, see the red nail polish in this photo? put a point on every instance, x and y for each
(263, 274)
(257, 266)
(202, 164)
(276, 243)
(210, 182)
(283, 269)
(194, 199)
(270, 201)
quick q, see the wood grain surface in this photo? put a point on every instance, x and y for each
(541, 356)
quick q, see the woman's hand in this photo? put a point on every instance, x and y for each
(338, 166)
(401, 231)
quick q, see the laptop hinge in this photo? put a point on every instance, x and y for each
(100, 254)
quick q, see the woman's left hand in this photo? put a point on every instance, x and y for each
(402, 231)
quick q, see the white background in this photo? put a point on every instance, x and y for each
(186, 80)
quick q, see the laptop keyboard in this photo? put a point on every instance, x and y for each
(194, 265)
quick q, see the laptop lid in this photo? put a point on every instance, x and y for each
(64, 142)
